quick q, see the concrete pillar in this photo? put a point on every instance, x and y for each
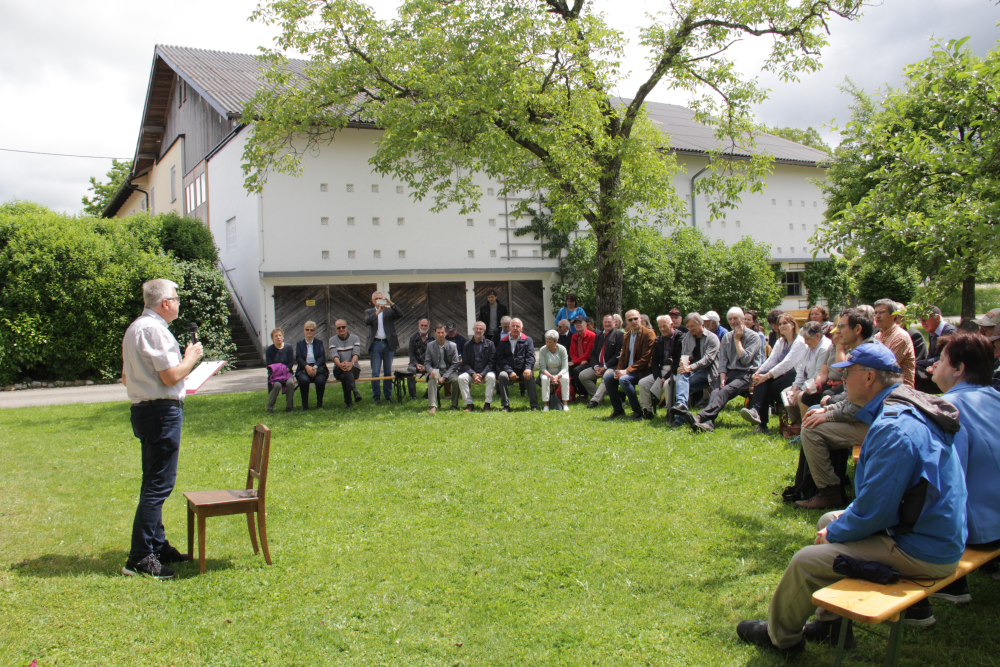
(470, 305)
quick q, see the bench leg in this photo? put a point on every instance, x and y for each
(892, 652)
(844, 622)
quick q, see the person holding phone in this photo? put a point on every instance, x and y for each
(382, 341)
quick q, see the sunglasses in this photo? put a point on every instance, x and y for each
(307, 329)
(344, 327)
(633, 319)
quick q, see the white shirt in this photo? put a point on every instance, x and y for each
(513, 343)
(147, 349)
(380, 332)
(310, 355)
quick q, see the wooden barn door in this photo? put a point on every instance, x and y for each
(526, 303)
(503, 295)
(296, 305)
(438, 302)
(349, 302)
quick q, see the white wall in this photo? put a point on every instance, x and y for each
(229, 200)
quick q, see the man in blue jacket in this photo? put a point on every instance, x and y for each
(909, 511)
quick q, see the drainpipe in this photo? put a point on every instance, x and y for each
(694, 219)
(145, 193)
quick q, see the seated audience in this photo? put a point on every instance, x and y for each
(589, 321)
(936, 327)
(677, 320)
(968, 326)
(553, 366)
(714, 324)
(633, 365)
(418, 350)
(451, 333)
(867, 311)
(564, 332)
(776, 374)
(750, 321)
(441, 360)
(772, 325)
(346, 369)
(806, 390)
(279, 359)
(579, 355)
(619, 323)
(895, 338)
(666, 357)
(964, 374)
(570, 311)
(821, 315)
(738, 354)
(699, 365)
(310, 358)
(646, 321)
(905, 447)
(490, 314)
(834, 426)
(988, 322)
(515, 361)
(478, 366)
(604, 355)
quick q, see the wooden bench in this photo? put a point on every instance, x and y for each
(869, 603)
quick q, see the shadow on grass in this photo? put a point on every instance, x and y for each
(108, 562)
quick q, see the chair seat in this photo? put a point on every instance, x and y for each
(230, 497)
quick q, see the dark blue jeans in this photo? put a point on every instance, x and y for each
(382, 357)
(627, 382)
(158, 428)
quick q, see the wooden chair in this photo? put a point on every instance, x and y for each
(241, 501)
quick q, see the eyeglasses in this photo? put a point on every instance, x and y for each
(173, 298)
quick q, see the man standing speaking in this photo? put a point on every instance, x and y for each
(153, 372)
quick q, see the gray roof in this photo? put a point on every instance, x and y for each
(229, 80)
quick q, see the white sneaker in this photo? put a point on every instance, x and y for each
(545, 409)
(565, 408)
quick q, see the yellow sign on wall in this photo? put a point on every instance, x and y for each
(310, 302)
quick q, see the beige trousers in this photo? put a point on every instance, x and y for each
(817, 442)
(812, 569)
(432, 384)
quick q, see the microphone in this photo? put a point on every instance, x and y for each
(193, 331)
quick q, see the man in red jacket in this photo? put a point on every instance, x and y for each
(579, 354)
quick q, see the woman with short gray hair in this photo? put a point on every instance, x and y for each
(553, 362)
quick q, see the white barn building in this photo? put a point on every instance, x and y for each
(314, 247)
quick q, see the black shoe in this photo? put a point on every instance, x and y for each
(691, 420)
(357, 398)
(486, 407)
(592, 404)
(755, 632)
(705, 427)
(289, 409)
(319, 405)
(956, 592)
(647, 414)
(637, 416)
(828, 632)
(761, 430)
(616, 414)
(506, 408)
(675, 424)
(270, 411)
(169, 554)
(149, 566)
(378, 401)
(920, 615)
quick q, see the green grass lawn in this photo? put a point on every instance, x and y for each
(404, 539)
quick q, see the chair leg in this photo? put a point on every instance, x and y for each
(253, 532)
(262, 525)
(190, 532)
(201, 543)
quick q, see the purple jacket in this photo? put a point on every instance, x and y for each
(279, 373)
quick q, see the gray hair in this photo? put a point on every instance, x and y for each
(560, 323)
(552, 334)
(505, 320)
(884, 378)
(868, 311)
(695, 317)
(888, 303)
(811, 329)
(660, 318)
(735, 310)
(155, 291)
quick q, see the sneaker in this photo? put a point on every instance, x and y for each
(565, 408)
(797, 440)
(755, 632)
(920, 615)
(149, 566)
(169, 554)
(828, 632)
(957, 592)
(592, 404)
(750, 415)
(545, 409)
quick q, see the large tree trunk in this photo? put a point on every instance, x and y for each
(609, 274)
(969, 297)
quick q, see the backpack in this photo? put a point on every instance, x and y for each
(804, 488)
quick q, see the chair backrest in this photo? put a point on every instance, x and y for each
(260, 454)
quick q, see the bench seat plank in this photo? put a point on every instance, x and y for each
(870, 603)
(387, 377)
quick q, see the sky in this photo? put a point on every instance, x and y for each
(73, 74)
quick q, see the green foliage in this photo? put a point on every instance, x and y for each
(71, 286)
(807, 137)
(987, 298)
(525, 94)
(188, 239)
(917, 182)
(554, 240)
(205, 300)
(683, 270)
(878, 280)
(832, 279)
(103, 192)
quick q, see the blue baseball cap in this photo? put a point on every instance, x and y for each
(872, 355)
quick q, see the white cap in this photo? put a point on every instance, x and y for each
(990, 319)
(712, 315)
